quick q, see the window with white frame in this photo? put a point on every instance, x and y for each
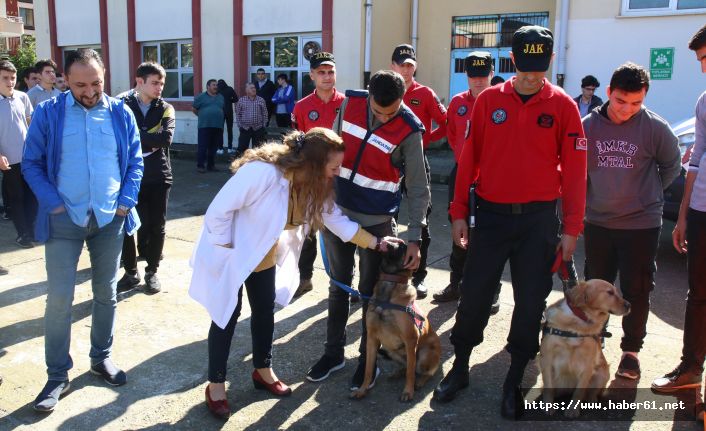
(662, 7)
(285, 54)
(177, 59)
(69, 49)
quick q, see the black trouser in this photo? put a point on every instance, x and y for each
(258, 138)
(421, 273)
(229, 127)
(307, 258)
(458, 254)
(341, 257)
(284, 120)
(210, 140)
(632, 253)
(152, 209)
(694, 348)
(261, 296)
(529, 241)
(20, 199)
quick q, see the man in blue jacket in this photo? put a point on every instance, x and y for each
(83, 162)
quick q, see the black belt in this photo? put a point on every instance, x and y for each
(525, 208)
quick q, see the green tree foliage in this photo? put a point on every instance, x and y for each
(26, 55)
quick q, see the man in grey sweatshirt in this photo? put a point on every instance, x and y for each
(692, 213)
(632, 157)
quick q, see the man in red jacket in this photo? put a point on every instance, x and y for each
(426, 106)
(525, 151)
(479, 68)
(319, 109)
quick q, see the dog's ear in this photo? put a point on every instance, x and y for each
(578, 295)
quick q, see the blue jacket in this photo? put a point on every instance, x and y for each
(288, 98)
(42, 158)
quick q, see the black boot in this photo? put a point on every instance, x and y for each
(452, 292)
(454, 381)
(512, 405)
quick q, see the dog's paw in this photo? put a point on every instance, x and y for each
(360, 393)
(407, 396)
(572, 413)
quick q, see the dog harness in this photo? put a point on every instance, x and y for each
(411, 310)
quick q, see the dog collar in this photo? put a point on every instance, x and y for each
(548, 330)
(397, 278)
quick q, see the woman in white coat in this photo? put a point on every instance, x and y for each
(252, 235)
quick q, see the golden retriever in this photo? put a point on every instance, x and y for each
(571, 358)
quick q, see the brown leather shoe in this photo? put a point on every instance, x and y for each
(680, 378)
(305, 285)
(218, 408)
(277, 388)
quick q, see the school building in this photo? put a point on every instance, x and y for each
(196, 40)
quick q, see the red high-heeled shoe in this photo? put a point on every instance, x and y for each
(277, 388)
(218, 408)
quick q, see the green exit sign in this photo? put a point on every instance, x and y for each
(661, 63)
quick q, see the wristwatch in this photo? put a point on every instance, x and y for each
(123, 208)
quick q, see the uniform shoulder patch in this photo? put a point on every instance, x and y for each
(581, 144)
(499, 116)
(462, 110)
(313, 115)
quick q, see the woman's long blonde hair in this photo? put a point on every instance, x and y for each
(305, 156)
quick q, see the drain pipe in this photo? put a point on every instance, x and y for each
(368, 41)
(563, 25)
(415, 20)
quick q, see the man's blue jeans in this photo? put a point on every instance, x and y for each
(62, 252)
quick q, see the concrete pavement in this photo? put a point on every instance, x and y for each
(160, 341)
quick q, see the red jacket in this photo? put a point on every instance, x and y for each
(312, 112)
(458, 121)
(524, 152)
(426, 106)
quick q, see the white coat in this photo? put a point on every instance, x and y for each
(250, 212)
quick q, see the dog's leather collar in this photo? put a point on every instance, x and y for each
(396, 278)
(578, 312)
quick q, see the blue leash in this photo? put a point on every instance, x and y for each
(327, 267)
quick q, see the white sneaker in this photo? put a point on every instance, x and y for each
(219, 152)
(231, 151)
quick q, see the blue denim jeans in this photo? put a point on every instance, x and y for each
(62, 252)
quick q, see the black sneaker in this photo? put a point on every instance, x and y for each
(128, 282)
(629, 367)
(3, 270)
(24, 242)
(324, 367)
(152, 284)
(49, 397)
(359, 376)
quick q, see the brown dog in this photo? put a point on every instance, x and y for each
(407, 336)
(571, 358)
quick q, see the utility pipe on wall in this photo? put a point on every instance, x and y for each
(415, 20)
(561, 46)
(368, 41)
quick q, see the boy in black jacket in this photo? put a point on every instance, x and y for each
(156, 121)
